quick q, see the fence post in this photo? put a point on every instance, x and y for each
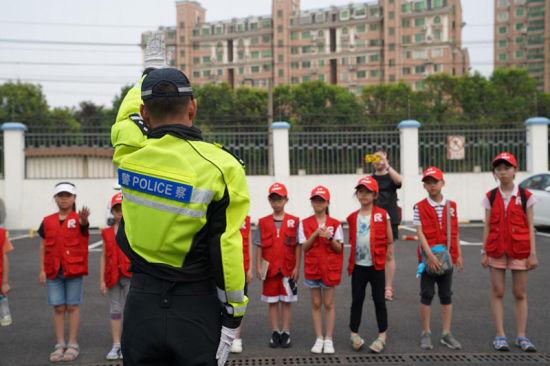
(537, 144)
(281, 152)
(14, 172)
(409, 155)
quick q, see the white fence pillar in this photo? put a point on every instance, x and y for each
(537, 144)
(281, 152)
(409, 155)
(14, 172)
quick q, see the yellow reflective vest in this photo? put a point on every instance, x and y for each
(184, 203)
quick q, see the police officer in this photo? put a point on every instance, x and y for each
(184, 202)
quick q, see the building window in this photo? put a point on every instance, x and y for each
(406, 70)
(344, 15)
(196, 60)
(344, 31)
(502, 43)
(267, 53)
(520, 12)
(266, 38)
(437, 52)
(182, 53)
(279, 13)
(255, 54)
(294, 65)
(420, 5)
(344, 61)
(255, 69)
(306, 64)
(266, 23)
(520, 54)
(391, 62)
(219, 57)
(503, 3)
(281, 58)
(206, 73)
(253, 26)
(391, 31)
(419, 85)
(406, 39)
(502, 57)
(375, 73)
(391, 15)
(360, 60)
(520, 40)
(418, 22)
(519, 26)
(503, 30)
(240, 55)
(254, 40)
(306, 35)
(206, 59)
(306, 49)
(438, 34)
(321, 63)
(360, 28)
(419, 37)
(196, 74)
(420, 69)
(405, 23)
(436, 4)
(281, 73)
(503, 16)
(392, 78)
(374, 26)
(241, 70)
(406, 8)
(267, 67)
(220, 72)
(361, 74)
(321, 77)
(375, 57)
(293, 36)
(279, 29)
(294, 80)
(437, 20)
(294, 50)
(420, 54)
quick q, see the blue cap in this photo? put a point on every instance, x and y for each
(167, 75)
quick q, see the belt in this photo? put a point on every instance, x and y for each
(145, 283)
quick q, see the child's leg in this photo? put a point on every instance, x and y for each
(427, 290)
(274, 315)
(287, 315)
(328, 302)
(358, 286)
(497, 303)
(74, 323)
(316, 303)
(390, 266)
(378, 285)
(444, 289)
(59, 322)
(116, 301)
(519, 284)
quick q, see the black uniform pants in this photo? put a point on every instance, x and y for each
(168, 323)
(360, 277)
(444, 288)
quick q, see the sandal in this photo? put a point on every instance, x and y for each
(378, 345)
(388, 294)
(501, 344)
(57, 354)
(525, 344)
(72, 352)
(356, 342)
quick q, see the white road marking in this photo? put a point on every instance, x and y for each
(546, 235)
(20, 237)
(95, 245)
(462, 242)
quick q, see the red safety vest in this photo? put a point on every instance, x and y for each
(279, 246)
(245, 233)
(2, 241)
(321, 262)
(436, 232)
(508, 228)
(378, 238)
(65, 247)
(117, 265)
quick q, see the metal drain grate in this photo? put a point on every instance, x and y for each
(409, 359)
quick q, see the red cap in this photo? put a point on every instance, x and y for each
(433, 172)
(507, 157)
(369, 183)
(320, 191)
(116, 200)
(278, 188)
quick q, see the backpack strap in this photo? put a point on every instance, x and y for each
(523, 196)
(492, 196)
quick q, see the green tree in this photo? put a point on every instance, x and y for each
(215, 104)
(23, 102)
(388, 104)
(515, 93)
(441, 94)
(250, 107)
(91, 116)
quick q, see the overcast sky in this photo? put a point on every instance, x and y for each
(107, 68)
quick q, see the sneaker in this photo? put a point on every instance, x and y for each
(328, 346)
(237, 345)
(114, 353)
(426, 341)
(318, 346)
(450, 341)
(501, 344)
(6, 321)
(285, 340)
(275, 340)
(356, 342)
(525, 344)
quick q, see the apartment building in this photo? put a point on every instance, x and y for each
(353, 45)
(522, 37)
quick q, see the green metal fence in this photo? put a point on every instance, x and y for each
(480, 147)
(49, 138)
(339, 152)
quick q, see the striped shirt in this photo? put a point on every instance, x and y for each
(438, 206)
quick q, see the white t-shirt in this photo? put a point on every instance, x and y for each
(530, 202)
(438, 206)
(338, 235)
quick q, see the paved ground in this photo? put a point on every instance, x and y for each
(30, 339)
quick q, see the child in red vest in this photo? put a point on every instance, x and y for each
(237, 345)
(370, 236)
(322, 238)
(435, 217)
(279, 253)
(5, 248)
(63, 263)
(114, 277)
(509, 243)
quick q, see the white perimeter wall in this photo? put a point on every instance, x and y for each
(466, 188)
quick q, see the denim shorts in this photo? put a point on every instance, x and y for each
(64, 291)
(316, 284)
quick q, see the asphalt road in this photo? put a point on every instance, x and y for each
(29, 340)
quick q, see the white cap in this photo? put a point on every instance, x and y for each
(64, 187)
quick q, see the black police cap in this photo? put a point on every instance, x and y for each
(167, 75)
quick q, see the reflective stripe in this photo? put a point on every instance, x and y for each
(238, 309)
(236, 296)
(162, 206)
(201, 195)
(185, 89)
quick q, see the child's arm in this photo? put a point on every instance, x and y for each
(336, 242)
(486, 229)
(259, 261)
(459, 259)
(5, 277)
(249, 275)
(389, 233)
(296, 271)
(532, 261)
(102, 286)
(42, 274)
(433, 263)
(309, 242)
